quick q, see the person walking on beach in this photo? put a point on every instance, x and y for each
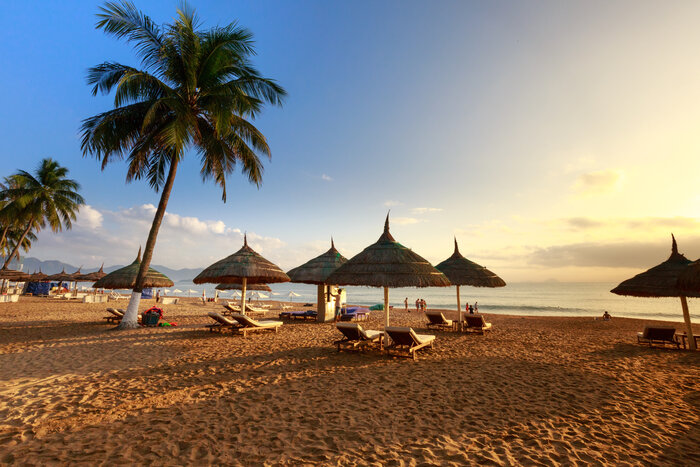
(417, 304)
(405, 304)
(476, 307)
(157, 295)
(423, 305)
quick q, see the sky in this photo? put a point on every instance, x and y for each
(553, 140)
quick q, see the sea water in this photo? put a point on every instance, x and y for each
(536, 299)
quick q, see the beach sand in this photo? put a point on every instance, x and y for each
(536, 390)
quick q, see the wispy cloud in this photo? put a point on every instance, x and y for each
(599, 182)
(405, 220)
(391, 203)
(425, 210)
(327, 178)
(114, 237)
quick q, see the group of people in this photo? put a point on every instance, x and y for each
(471, 309)
(420, 304)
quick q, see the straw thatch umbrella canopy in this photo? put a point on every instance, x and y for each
(662, 281)
(244, 266)
(62, 276)
(316, 271)
(13, 275)
(125, 278)
(261, 287)
(387, 263)
(38, 277)
(460, 271)
(94, 276)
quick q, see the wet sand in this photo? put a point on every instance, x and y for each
(535, 390)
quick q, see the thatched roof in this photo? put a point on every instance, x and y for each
(387, 263)
(245, 263)
(13, 275)
(77, 276)
(38, 277)
(460, 271)
(689, 280)
(317, 270)
(659, 281)
(60, 277)
(260, 287)
(125, 278)
(93, 276)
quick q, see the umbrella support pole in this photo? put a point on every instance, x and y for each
(244, 284)
(689, 327)
(459, 308)
(321, 304)
(386, 315)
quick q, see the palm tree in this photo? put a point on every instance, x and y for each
(196, 89)
(45, 198)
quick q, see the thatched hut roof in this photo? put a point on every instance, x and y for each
(317, 270)
(245, 263)
(125, 278)
(239, 286)
(659, 281)
(94, 276)
(460, 271)
(13, 275)
(387, 263)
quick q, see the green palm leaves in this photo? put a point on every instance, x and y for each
(194, 89)
(31, 202)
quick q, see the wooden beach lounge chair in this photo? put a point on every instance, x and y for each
(230, 308)
(438, 320)
(247, 324)
(356, 338)
(405, 342)
(221, 323)
(115, 316)
(658, 335)
(254, 310)
(477, 324)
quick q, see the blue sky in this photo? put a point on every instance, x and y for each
(548, 137)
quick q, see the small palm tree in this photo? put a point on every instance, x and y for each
(196, 90)
(47, 197)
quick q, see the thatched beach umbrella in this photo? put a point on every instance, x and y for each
(62, 276)
(13, 275)
(460, 271)
(38, 277)
(244, 267)
(94, 276)
(316, 271)
(260, 287)
(662, 281)
(125, 278)
(387, 263)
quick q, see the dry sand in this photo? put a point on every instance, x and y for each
(535, 391)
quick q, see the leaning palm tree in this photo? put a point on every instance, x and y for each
(47, 197)
(195, 90)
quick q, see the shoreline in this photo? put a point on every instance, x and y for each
(535, 389)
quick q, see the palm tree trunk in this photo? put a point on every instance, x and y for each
(130, 319)
(19, 243)
(4, 236)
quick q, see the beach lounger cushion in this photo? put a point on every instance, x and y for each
(355, 336)
(477, 323)
(405, 339)
(248, 324)
(436, 318)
